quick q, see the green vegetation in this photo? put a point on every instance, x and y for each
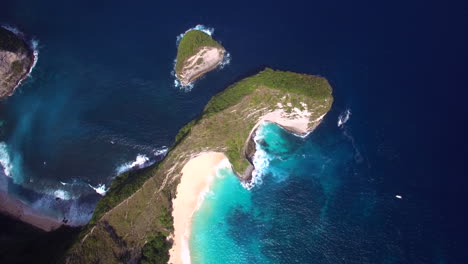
(166, 220)
(224, 126)
(122, 187)
(302, 84)
(17, 67)
(156, 250)
(10, 42)
(190, 44)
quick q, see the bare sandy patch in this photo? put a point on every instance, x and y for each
(205, 60)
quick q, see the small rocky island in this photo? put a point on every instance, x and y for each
(16, 60)
(134, 222)
(197, 54)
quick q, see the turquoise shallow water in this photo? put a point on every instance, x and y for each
(279, 218)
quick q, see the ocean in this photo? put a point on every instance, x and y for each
(102, 99)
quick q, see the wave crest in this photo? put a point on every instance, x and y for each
(261, 161)
(143, 161)
(344, 117)
(5, 161)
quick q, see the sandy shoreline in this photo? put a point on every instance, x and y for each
(197, 175)
(199, 172)
(23, 212)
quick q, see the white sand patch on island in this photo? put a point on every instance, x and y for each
(296, 121)
(197, 175)
(205, 60)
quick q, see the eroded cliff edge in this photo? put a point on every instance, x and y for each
(16, 60)
(137, 209)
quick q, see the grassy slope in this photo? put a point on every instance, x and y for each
(190, 44)
(224, 126)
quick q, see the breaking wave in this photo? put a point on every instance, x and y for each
(142, 161)
(5, 161)
(226, 61)
(99, 189)
(343, 118)
(261, 161)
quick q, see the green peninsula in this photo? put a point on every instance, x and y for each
(197, 54)
(16, 59)
(133, 222)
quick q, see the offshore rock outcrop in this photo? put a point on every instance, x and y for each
(16, 60)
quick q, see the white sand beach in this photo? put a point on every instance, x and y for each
(197, 175)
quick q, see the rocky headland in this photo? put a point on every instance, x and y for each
(16, 60)
(197, 54)
(138, 219)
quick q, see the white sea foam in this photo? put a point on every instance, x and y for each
(5, 160)
(203, 28)
(137, 163)
(226, 61)
(142, 161)
(260, 160)
(344, 117)
(35, 47)
(62, 194)
(100, 189)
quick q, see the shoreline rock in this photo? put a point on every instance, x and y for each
(16, 61)
(197, 54)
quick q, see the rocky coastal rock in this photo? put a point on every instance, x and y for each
(197, 54)
(16, 60)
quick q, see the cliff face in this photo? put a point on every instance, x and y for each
(16, 59)
(138, 204)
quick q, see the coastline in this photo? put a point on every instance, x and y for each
(197, 175)
(32, 53)
(23, 212)
(199, 172)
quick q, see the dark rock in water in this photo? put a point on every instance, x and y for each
(57, 199)
(16, 59)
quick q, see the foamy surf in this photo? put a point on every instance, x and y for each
(260, 160)
(99, 189)
(5, 160)
(226, 61)
(142, 161)
(344, 117)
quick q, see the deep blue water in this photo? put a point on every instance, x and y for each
(104, 75)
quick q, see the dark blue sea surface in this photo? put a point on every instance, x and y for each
(102, 94)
